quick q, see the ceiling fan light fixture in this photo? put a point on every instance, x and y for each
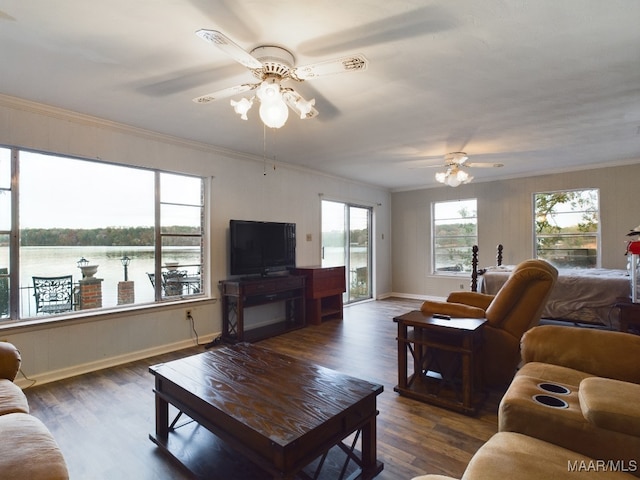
(463, 176)
(452, 181)
(269, 89)
(453, 177)
(242, 106)
(274, 113)
(273, 109)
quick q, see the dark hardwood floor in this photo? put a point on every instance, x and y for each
(102, 420)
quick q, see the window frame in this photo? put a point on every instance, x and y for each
(14, 274)
(466, 266)
(596, 235)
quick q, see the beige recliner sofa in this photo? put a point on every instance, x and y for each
(579, 388)
(572, 411)
(28, 451)
(513, 456)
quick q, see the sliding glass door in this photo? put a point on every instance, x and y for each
(346, 240)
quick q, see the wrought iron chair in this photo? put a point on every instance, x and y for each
(173, 282)
(53, 294)
(176, 282)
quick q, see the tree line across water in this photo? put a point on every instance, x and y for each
(104, 237)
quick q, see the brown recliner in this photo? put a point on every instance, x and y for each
(510, 313)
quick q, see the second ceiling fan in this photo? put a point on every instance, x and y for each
(454, 175)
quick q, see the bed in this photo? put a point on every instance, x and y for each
(586, 296)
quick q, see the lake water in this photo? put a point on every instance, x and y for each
(58, 261)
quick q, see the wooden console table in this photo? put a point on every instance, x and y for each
(237, 295)
(324, 289)
(445, 354)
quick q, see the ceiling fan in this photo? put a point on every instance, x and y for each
(274, 66)
(454, 174)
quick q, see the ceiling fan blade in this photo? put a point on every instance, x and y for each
(349, 63)
(229, 47)
(482, 165)
(294, 100)
(226, 92)
(237, 19)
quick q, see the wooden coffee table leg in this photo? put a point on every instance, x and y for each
(162, 416)
(369, 455)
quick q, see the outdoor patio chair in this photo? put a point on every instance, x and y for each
(53, 294)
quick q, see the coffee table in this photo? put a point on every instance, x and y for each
(446, 370)
(279, 412)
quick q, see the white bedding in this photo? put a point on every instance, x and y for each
(580, 295)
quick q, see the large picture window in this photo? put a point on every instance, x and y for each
(567, 228)
(91, 234)
(455, 232)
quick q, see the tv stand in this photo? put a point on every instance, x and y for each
(237, 295)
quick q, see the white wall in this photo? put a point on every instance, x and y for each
(238, 190)
(505, 215)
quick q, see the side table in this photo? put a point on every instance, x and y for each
(445, 353)
(629, 317)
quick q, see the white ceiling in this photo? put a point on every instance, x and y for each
(538, 85)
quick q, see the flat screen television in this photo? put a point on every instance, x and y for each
(261, 248)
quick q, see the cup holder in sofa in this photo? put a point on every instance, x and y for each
(554, 388)
(549, 401)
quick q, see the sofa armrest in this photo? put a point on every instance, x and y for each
(9, 361)
(611, 404)
(474, 299)
(597, 352)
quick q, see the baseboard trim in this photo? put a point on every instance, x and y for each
(413, 296)
(26, 381)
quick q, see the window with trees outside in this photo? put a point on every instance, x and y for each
(79, 234)
(567, 228)
(455, 232)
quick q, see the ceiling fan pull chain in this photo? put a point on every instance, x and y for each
(264, 150)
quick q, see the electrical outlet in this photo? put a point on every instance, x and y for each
(187, 315)
(461, 286)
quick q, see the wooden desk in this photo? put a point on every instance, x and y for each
(277, 411)
(445, 370)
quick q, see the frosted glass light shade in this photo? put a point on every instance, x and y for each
(452, 181)
(274, 113)
(241, 107)
(305, 106)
